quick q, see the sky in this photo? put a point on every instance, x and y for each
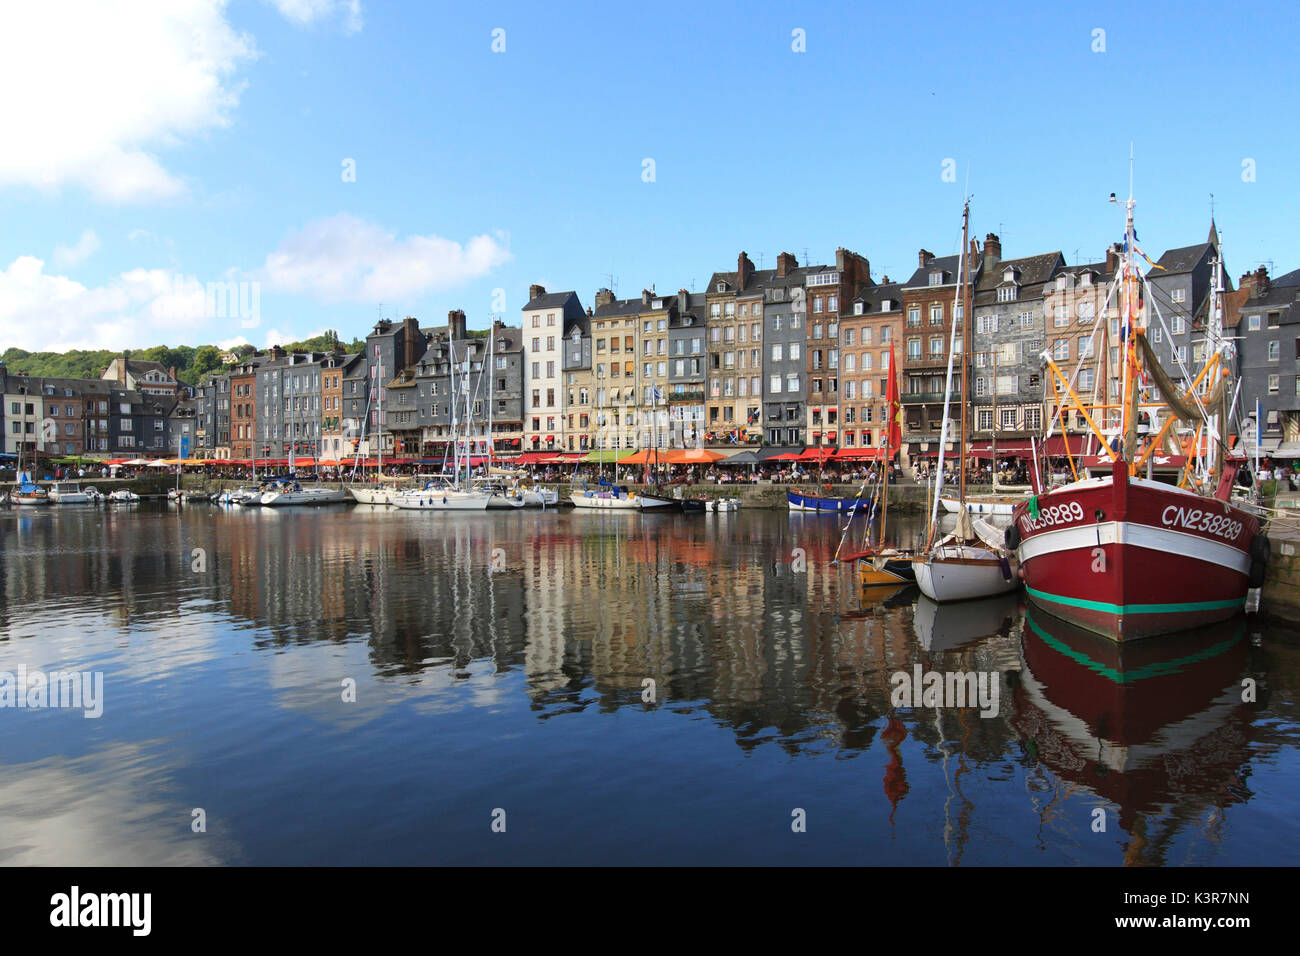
(329, 162)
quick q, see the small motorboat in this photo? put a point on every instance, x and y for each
(123, 496)
(723, 504)
(70, 493)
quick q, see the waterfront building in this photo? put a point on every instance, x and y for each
(1073, 303)
(1008, 336)
(546, 315)
(1179, 306)
(825, 288)
(687, 331)
(145, 377)
(930, 307)
(784, 338)
(872, 324)
(391, 347)
(579, 384)
(244, 444)
(1269, 358)
(614, 335)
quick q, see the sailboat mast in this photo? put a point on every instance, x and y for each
(965, 349)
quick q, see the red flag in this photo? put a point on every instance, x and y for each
(895, 410)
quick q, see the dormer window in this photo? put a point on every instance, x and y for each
(936, 278)
(1006, 293)
(1060, 283)
(722, 287)
(857, 308)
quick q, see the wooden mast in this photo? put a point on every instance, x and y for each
(965, 350)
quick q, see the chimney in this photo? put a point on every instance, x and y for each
(410, 339)
(924, 258)
(853, 268)
(456, 324)
(992, 251)
(604, 297)
(683, 301)
(1256, 283)
(785, 264)
(536, 292)
(744, 271)
(277, 352)
(884, 280)
(172, 372)
(121, 370)
(1112, 258)
(589, 312)
(645, 297)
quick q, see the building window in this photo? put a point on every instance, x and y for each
(1274, 350)
(1273, 381)
(1179, 295)
(1007, 293)
(1252, 323)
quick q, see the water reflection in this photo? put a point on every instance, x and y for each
(620, 664)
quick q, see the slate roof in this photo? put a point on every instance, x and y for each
(1179, 261)
(551, 300)
(921, 277)
(1034, 271)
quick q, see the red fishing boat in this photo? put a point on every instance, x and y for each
(1124, 555)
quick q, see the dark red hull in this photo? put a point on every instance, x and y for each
(1132, 558)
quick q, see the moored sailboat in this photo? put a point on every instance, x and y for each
(960, 566)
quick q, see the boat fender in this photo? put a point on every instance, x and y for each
(1006, 568)
(1011, 537)
(1259, 553)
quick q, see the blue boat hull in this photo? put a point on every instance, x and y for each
(800, 501)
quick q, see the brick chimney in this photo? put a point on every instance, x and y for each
(924, 258)
(277, 352)
(853, 268)
(992, 251)
(456, 324)
(1112, 258)
(1256, 283)
(744, 271)
(604, 297)
(645, 297)
(785, 264)
(536, 292)
(121, 370)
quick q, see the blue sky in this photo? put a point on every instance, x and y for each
(188, 142)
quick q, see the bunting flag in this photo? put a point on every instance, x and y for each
(1153, 265)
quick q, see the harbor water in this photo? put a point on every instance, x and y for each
(359, 685)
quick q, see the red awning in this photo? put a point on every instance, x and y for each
(816, 454)
(532, 457)
(860, 453)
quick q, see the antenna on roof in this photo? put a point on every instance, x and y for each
(805, 255)
(611, 283)
(760, 262)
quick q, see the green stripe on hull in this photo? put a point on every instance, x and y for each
(1121, 610)
(1151, 670)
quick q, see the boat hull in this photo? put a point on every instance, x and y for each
(435, 500)
(977, 505)
(1130, 558)
(370, 496)
(801, 501)
(284, 499)
(603, 501)
(964, 573)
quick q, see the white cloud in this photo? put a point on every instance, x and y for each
(94, 87)
(85, 247)
(140, 307)
(345, 259)
(306, 13)
(234, 343)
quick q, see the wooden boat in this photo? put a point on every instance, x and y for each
(29, 494)
(1130, 557)
(959, 566)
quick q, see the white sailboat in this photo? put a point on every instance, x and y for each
(959, 566)
(378, 493)
(456, 493)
